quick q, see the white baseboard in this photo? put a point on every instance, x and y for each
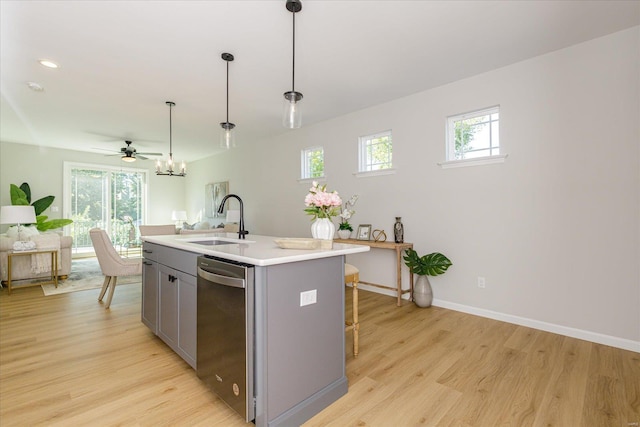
(609, 340)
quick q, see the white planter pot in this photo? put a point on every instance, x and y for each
(344, 234)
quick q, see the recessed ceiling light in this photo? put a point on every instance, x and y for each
(48, 64)
(35, 87)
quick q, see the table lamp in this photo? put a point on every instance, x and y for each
(179, 217)
(19, 214)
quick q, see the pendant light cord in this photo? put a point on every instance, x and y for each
(227, 91)
(170, 135)
(293, 73)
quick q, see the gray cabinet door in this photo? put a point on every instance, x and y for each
(168, 305)
(187, 320)
(150, 294)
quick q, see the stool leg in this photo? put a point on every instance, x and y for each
(356, 323)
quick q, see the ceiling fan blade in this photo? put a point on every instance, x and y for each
(138, 156)
(150, 154)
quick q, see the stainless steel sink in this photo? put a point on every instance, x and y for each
(213, 242)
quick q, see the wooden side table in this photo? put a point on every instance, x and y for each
(54, 266)
(399, 248)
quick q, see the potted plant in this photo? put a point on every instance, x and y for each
(322, 205)
(22, 196)
(345, 228)
(433, 264)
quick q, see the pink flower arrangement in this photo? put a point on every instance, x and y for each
(321, 203)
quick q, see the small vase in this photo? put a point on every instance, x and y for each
(344, 234)
(422, 293)
(398, 231)
(323, 228)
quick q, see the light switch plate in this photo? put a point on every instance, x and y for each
(308, 297)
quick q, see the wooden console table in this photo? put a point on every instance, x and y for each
(54, 266)
(399, 248)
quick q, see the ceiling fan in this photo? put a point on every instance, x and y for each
(130, 154)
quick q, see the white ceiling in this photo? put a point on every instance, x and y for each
(121, 60)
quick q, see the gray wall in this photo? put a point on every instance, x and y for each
(555, 229)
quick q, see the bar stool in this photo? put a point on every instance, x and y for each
(352, 275)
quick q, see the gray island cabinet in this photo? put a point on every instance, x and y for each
(169, 297)
(297, 360)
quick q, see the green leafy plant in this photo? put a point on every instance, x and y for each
(433, 264)
(21, 196)
(345, 226)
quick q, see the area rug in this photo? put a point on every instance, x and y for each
(85, 274)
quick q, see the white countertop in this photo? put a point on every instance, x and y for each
(256, 250)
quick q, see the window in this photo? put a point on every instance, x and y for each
(312, 163)
(375, 152)
(473, 135)
(105, 197)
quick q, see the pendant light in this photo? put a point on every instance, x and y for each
(169, 165)
(292, 117)
(227, 136)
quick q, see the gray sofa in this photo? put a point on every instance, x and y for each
(21, 266)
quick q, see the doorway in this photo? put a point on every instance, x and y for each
(110, 198)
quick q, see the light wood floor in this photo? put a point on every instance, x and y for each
(65, 361)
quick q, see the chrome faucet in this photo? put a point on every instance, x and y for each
(241, 232)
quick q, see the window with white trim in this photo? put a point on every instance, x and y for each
(375, 152)
(312, 163)
(474, 135)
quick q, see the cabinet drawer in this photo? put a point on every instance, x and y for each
(177, 259)
(150, 251)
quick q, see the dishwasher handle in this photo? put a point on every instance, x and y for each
(222, 280)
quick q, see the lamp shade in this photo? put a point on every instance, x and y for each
(17, 215)
(233, 215)
(179, 215)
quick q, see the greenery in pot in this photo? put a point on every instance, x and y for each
(433, 264)
(345, 226)
(21, 196)
(346, 213)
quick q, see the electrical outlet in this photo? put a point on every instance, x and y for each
(308, 297)
(481, 282)
(54, 209)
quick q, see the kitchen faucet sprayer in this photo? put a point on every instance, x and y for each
(241, 232)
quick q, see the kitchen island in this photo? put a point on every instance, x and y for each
(292, 306)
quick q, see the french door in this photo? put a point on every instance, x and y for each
(110, 198)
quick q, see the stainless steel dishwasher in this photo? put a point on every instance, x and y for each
(226, 332)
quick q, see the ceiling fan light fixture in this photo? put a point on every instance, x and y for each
(227, 135)
(169, 171)
(292, 114)
(128, 158)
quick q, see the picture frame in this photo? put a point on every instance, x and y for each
(214, 193)
(364, 232)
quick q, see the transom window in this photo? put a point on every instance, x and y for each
(375, 152)
(312, 163)
(474, 135)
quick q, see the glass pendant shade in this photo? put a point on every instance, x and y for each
(292, 114)
(227, 135)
